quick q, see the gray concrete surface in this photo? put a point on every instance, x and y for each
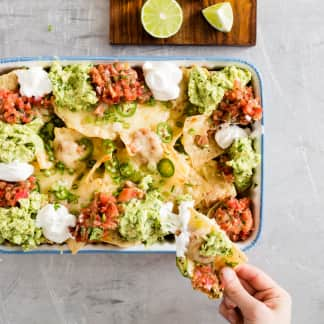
(147, 289)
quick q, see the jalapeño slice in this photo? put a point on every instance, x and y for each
(165, 168)
(126, 109)
(165, 132)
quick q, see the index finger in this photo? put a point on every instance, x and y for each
(255, 277)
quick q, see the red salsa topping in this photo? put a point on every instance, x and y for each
(11, 192)
(234, 216)
(101, 213)
(17, 109)
(118, 82)
(204, 278)
(129, 193)
(238, 106)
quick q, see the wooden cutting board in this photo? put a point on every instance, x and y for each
(126, 27)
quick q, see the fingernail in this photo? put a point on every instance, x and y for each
(228, 274)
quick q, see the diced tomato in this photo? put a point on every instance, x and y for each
(129, 193)
(234, 216)
(105, 198)
(204, 278)
(12, 192)
(21, 194)
(238, 106)
(17, 109)
(233, 203)
(102, 213)
(115, 83)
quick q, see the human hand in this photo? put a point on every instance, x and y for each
(252, 297)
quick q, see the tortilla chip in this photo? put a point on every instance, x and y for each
(200, 226)
(193, 126)
(9, 81)
(46, 182)
(218, 187)
(75, 246)
(145, 117)
(175, 185)
(86, 123)
(186, 180)
(114, 238)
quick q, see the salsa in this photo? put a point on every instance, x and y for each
(204, 278)
(118, 82)
(12, 192)
(102, 213)
(238, 106)
(17, 109)
(234, 216)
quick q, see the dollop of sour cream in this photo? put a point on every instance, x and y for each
(55, 222)
(182, 240)
(34, 82)
(172, 223)
(163, 79)
(15, 171)
(226, 135)
(169, 220)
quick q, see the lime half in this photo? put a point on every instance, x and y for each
(220, 16)
(161, 18)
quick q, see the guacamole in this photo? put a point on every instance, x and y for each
(206, 88)
(141, 219)
(20, 142)
(216, 244)
(71, 86)
(243, 159)
(17, 224)
(226, 77)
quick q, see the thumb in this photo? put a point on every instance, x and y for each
(237, 293)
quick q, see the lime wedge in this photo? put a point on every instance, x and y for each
(161, 18)
(220, 16)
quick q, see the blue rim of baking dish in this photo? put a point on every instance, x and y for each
(147, 58)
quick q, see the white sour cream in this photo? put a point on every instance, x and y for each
(182, 240)
(163, 79)
(226, 135)
(55, 222)
(169, 220)
(15, 171)
(34, 82)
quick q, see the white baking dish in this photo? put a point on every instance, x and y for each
(211, 62)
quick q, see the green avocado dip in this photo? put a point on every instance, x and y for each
(141, 219)
(216, 244)
(71, 86)
(207, 88)
(17, 224)
(243, 159)
(20, 142)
